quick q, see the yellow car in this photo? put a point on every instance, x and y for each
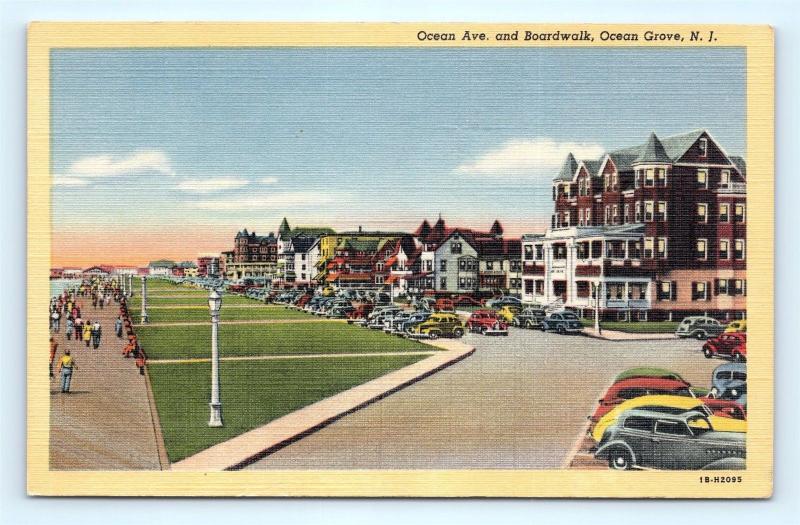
(439, 325)
(669, 405)
(328, 292)
(507, 313)
(736, 326)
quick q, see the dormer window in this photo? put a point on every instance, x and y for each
(725, 178)
(703, 143)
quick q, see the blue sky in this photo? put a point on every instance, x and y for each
(150, 140)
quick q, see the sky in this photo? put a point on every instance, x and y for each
(167, 153)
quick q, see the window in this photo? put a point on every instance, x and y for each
(634, 249)
(443, 265)
(539, 252)
(539, 287)
(738, 213)
(608, 214)
(627, 217)
(637, 179)
(490, 265)
(701, 249)
(462, 282)
(739, 287)
(615, 291)
(515, 266)
(580, 217)
(528, 252)
(702, 178)
(661, 177)
(724, 212)
(648, 211)
(661, 248)
(642, 424)
(637, 291)
(649, 178)
(721, 287)
(455, 247)
(672, 428)
(738, 249)
(588, 216)
(699, 291)
(648, 247)
(665, 290)
(724, 178)
(615, 181)
(703, 143)
(702, 212)
(443, 283)
(638, 211)
(661, 211)
(615, 213)
(724, 249)
(607, 181)
(528, 287)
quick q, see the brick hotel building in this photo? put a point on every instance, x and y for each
(660, 228)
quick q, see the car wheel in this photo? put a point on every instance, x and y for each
(713, 393)
(543, 327)
(739, 358)
(708, 353)
(483, 330)
(561, 330)
(433, 335)
(620, 459)
(700, 335)
(458, 332)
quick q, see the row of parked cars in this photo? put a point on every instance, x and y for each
(653, 418)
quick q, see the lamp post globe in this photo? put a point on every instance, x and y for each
(214, 305)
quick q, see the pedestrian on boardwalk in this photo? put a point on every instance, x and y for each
(87, 332)
(70, 327)
(66, 365)
(100, 301)
(53, 350)
(56, 318)
(118, 326)
(96, 333)
(78, 328)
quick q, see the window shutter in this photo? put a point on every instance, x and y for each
(673, 290)
(708, 291)
(731, 286)
(716, 286)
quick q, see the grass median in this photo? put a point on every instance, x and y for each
(186, 342)
(190, 300)
(195, 315)
(636, 327)
(253, 393)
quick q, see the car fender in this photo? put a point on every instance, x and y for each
(601, 452)
(726, 464)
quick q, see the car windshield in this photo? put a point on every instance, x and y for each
(741, 376)
(569, 316)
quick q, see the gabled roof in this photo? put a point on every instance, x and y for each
(676, 145)
(302, 243)
(652, 152)
(568, 168)
(311, 230)
(740, 164)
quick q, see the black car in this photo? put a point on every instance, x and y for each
(561, 322)
(530, 317)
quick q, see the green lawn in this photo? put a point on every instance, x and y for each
(189, 300)
(638, 327)
(253, 393)
(158, 284)
(183, 342)
(172, 315)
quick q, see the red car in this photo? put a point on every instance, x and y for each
(302, 301)
(466, 300)
(724, 407)
(444, 305)
(360, 312)
(487, 322)
(636, 387)
(732, 344)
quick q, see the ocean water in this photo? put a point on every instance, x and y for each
(59, 285)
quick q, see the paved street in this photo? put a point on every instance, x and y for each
(519, 402)
(105, 423)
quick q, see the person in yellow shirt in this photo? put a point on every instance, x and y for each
(66, 365)
(87, 332)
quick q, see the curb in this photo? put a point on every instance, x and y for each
(247, 448)
(646, 337)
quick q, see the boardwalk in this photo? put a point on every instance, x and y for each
(106, 422)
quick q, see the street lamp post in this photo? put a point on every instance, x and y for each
(597, 308)
(214, 304)
(144, 299)
(130, 285)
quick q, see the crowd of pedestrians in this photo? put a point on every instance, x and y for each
(67, 310)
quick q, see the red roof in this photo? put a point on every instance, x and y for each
(352, 277)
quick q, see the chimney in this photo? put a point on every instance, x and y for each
(359, 228)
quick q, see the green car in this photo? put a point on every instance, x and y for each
(646, 371)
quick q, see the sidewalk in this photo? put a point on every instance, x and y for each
(260, 442)
(613, 335)
(106, 422)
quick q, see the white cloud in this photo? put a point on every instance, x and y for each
(115, 166)
(268, 180)
(539, 157)
(274, 200)
(212, 184)
(61, 180)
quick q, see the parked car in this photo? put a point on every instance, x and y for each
(466, 300)
(530, 317)
(736, 326)
(727, 376)
(328, 292)
(729, 344)
(438, 325)
(339, 312)
(737, 394)
(505, 300)
(720, 418)
(444, 305)
(426, 303)
(415, 318)
(487, 322)
(635, 387)
(648, 372)
(359, 313)
(394, 324)
(699, 327)
(508, 313)
(688, 441)
(561, 322)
